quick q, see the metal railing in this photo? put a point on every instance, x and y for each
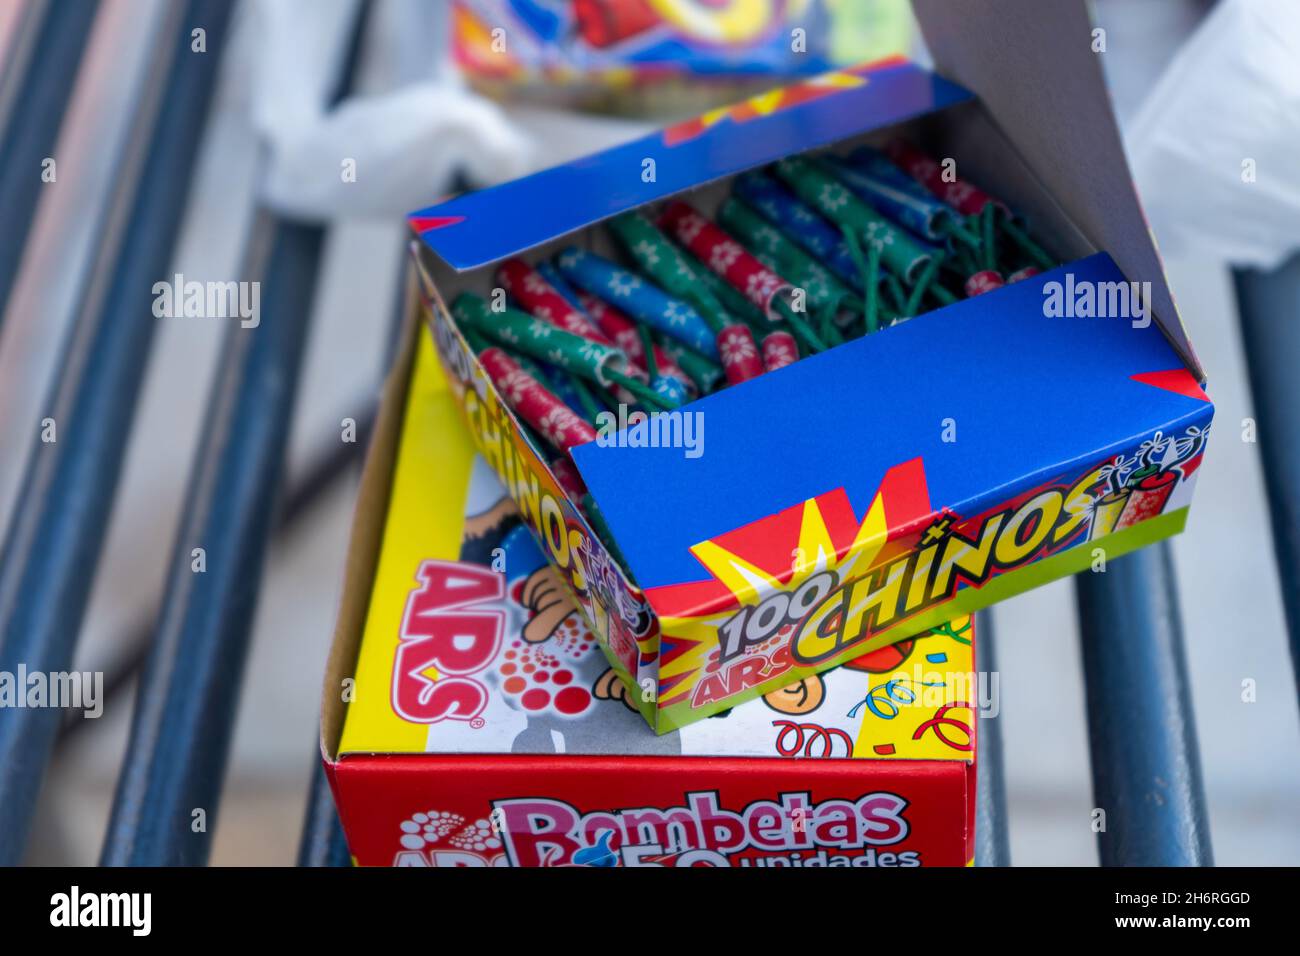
(1268, 303)
(1144, 753)
(37, 87)
(1146, 772)
(58, 523)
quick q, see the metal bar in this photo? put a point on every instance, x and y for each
(330, 463)
(323, 843)
(1146, 770)
(180, 734)
(992, 843)
(1268, 303)
(57, 530)
(168, 793)
(31, 128)
(322, 472)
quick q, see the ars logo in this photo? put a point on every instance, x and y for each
(447, 858)
(447, 637)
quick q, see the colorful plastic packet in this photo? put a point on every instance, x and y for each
(664, 263)
(604, 364)
(637, 297)
(798, 221)
(902, 255)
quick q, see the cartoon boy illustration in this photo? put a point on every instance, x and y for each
(556, 641)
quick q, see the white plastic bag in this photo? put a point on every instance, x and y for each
(385, 153)
(1215, 148)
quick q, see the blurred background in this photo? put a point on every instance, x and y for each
(1192, 83)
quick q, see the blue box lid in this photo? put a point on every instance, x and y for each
(482, 227)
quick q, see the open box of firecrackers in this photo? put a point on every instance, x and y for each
(842, 362)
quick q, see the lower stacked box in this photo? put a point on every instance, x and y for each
(481, 724)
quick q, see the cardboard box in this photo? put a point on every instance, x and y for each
(483, 726)
(876, 490)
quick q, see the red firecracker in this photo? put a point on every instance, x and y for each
(961, 195)
(534, 403)
(740, 358)
(779, 350)
(984, 281)
(540, 299)
(724, 255)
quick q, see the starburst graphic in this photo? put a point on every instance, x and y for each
(766, 104)
(779, 553)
